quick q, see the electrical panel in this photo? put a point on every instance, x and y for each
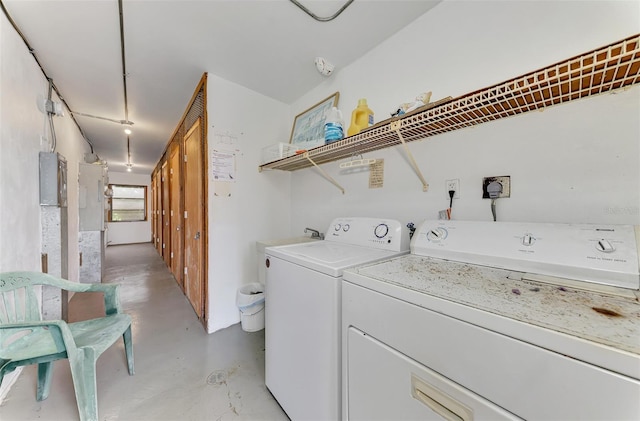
(92, 181)
(53, 179)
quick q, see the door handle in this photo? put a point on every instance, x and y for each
(439, 402)
(197, 236)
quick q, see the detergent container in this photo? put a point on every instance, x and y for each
(361, 118)
(333, 126)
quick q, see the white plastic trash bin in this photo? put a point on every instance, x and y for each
(250, 302)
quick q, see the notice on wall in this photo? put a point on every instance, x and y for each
(223, 166)
(376, 174)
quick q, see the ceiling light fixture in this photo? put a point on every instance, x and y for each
(127, 126)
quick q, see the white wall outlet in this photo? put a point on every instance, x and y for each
(505, 180)
(452, 185)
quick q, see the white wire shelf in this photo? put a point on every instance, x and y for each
(608, 68)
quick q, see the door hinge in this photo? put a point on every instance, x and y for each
(185, 158)
(185, 214)
(172, 255)
(170, 170)
(171, 213)
(163, 246)
(185, 270)
(163, 212)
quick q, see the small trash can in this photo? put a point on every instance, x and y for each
(250, 302)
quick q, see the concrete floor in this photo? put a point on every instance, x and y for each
(182, 373)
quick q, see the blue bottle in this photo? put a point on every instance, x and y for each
(333, 130)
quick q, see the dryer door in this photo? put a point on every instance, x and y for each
(399, 388)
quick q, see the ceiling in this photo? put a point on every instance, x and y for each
(268, 46)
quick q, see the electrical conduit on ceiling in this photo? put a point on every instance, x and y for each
(124, 83)
(319, 18)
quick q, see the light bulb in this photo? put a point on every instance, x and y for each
(128, 169)
(127, 130)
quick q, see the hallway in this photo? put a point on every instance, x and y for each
(182, 373)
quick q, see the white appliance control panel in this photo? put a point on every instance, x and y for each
(604, 254)
(385, 234)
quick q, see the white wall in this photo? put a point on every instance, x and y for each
(254, 207)
(576, 162)
(21, 125)
(130, 232)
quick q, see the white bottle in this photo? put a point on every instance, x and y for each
(333, 126)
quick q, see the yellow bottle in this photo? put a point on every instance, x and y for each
(361, 118)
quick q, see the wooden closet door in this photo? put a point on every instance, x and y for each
(176, 214)
(158, 198)
(166, 219)
(194, 237)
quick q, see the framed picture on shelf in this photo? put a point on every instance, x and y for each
(308, 126)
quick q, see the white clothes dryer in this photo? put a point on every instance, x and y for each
(303, 305)
(491, 321)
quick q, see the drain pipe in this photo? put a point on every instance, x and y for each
(319, 18)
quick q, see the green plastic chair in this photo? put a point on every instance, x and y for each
(26, 339)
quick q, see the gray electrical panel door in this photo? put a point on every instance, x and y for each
(92, 180)
(53, 179)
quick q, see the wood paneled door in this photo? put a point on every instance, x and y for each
(166, 219)
(158, 221)
(176, 214)
(194, 205)
(154, 209)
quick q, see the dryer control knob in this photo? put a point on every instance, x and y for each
(528, 240)
(381, 230)
(605, 246)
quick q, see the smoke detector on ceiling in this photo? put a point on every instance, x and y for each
(324, 67)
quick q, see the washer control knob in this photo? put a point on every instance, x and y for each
(346, 227)
(337, 227)
(381, 230)
(528, 240)
(604, 246)
(437, 234)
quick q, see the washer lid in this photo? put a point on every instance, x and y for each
(329, 257)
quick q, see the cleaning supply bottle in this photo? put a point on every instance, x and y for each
(333, 130)
(361, 118)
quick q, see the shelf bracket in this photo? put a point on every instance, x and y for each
(395, 126)
(324, 174)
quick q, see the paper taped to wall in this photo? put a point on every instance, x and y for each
(223, 166)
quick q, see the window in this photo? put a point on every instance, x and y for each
(127, 203)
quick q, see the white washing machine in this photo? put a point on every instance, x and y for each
(496, 321)
(303, 304)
